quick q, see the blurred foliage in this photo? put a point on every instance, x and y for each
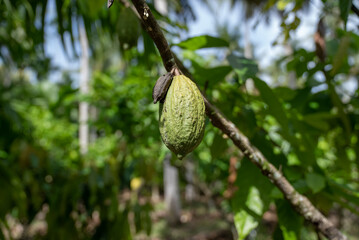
(310, 131)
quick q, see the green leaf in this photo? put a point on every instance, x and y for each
(281, 4)
(275, 107)
(121, 228)
(212, 75)
(251, 201)
(3, 154)
(288, 234)
(147, 218)
(319, 120)
(149, 48)
(244, 223)
(61, 28)
(289, 220)
(345, 6)
(137, 217)
(203, 41)
(247, 121)
(254, 201)
(300, 61)
(315, 181)
(285, 93)
(249, 180)
(343, 191)
(265, 145)
(244, 67)
(219, 145)
(341, 55)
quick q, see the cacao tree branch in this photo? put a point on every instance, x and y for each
(298, 201)
(153, 29)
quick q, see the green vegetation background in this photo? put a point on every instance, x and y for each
(310, 134)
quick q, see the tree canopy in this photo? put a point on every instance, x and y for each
(300, 114)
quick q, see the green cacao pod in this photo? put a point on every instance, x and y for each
(182, 116)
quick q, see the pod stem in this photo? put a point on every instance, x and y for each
(176, 71)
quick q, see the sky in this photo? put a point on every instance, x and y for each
(261, 35)
(54, 48)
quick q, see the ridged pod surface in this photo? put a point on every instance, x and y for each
(182, 117)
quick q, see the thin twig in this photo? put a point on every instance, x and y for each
(298, 201)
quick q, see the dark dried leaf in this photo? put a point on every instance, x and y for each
(160, 89)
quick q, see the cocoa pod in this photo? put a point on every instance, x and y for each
(182, 116)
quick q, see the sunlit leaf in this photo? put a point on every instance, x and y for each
(289, 220)
(281, 4)
(252, 198)
(244, 223)
(254, 201)
(204, 41)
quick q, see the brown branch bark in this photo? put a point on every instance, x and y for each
(298, 201)
(153, 29)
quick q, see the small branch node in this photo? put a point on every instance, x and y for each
(145, 13)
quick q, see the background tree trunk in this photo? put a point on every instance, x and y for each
(171, 190)
(248, 53)
(84, 89)
(190, 193)
(292, 78)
